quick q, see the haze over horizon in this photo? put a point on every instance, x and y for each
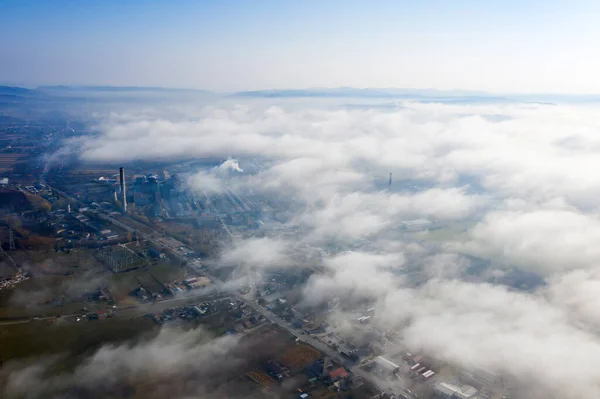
(500, 47)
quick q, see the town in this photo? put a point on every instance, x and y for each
(98, 244)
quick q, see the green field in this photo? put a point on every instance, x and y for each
(60, 283)
(122, 284)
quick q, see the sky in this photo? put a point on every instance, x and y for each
(497, 46)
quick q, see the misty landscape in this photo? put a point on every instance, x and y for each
(238, 239)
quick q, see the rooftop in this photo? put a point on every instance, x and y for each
(462, 392)
(338, 373)
(383, 362)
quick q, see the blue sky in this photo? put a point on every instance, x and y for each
(500, 46)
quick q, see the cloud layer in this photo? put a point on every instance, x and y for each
(500, 188)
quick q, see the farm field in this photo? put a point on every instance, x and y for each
(61, 283)
(122, 284)
(261, 378)
(8, 161)
(299, 356)
(21, 340)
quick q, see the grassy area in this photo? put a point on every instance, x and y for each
(6, 270)
(166, 271)
(50, 262)
(25, 340)
(60, 284)
(122, 284)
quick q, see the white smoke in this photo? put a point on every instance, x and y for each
(230, 165)
(214, 180)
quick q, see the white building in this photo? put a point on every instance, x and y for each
(384, 366)
(446, 390)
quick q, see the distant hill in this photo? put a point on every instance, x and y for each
(10, 95)
(16, 91)
(114, 89)
(389, 93)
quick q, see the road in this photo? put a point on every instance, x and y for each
(155, 307)
(302, 336)
(135, 310)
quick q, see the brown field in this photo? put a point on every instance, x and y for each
(36, 338)
(261, 378)
(299, 356)
(8, 161)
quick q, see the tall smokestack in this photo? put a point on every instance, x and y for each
(123, 192)
(390, 184)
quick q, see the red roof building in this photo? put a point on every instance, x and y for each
(338, 374)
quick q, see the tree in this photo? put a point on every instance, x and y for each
(38, 242)
(14, 222)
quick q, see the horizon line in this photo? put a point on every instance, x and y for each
(457, 91)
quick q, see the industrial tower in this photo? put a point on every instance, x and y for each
(123, 192)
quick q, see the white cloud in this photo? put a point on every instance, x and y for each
(544, 240)
(532, 167)
(526, 155)
(355, 274)
(174, 363)
(577, 293)
(261, 252)
(521, 336)
(171, 352)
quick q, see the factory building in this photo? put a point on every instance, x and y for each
(480, 376)
(148, 184)
(446, 390)
(384, 366)
(140, 199)
(197, 282)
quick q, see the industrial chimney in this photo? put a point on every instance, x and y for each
(123, 192)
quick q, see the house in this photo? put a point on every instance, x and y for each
(338, 374)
